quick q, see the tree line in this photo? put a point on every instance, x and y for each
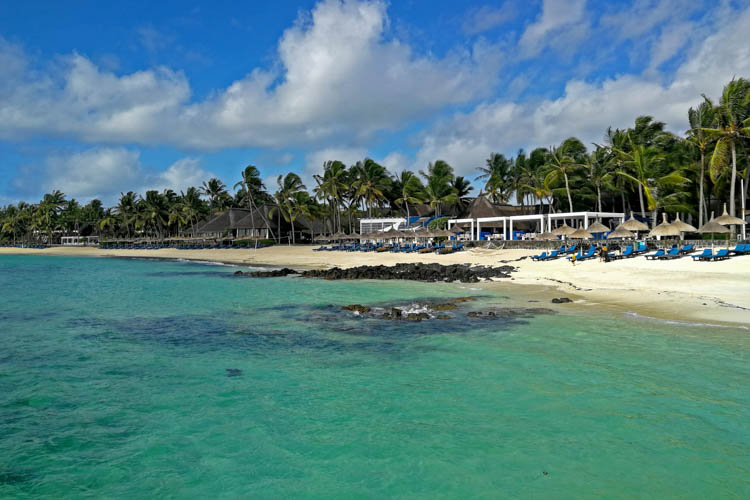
(643, 168)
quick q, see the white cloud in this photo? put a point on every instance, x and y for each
(337, 76)
(672, 39)
(587, 109)
(486, 17)
(314, 161)
(561, 22)
(104, 173)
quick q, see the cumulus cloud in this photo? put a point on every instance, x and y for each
(338, 75)
(561, 22)
(586, 109)
(484, 18)
(104, 173)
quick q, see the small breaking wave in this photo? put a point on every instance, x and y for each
(637, 316)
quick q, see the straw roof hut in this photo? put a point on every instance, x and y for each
(563, 230)
(545, 237)
(633, 224)
(581, 234)
(683, 227)
(442, 234)
(457, 230)
(664, 229)
(727, 220)
(620, 233)
(598, 227)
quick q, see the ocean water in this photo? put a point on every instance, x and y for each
(152, 379)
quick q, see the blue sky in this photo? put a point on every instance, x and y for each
(102, 97)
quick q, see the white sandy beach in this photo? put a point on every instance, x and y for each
(711, 292)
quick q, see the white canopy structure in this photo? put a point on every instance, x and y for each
(545, 221)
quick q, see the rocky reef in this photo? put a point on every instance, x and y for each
(462, 273)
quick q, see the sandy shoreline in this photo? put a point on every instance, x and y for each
(683, 290)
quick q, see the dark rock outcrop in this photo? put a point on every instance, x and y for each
(561, 300)
(276, 273)
(415, 272)
(357, 308)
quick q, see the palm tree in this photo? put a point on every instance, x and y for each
(332, 187)
(438, 187)
(561, 162)
(371, 183)
(253, 186)
(599, 174)
(731, 127)
(461, 189)
(126, 209)
(497, 175)
(215, 190)
(642, 162)
(408, 189)
(701, 118)
(287, 196)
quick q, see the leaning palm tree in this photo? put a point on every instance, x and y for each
(332, 187)
(731, 127)
(496, 174)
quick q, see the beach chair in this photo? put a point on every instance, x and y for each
(628, 252)
(653, 256)
(722, 254)
(740, 249)
(687, 249)
(674, 253)
(590, 254)
(641, 248)
(541, 256)
(707, 253)
(571, 249)
(553, 255)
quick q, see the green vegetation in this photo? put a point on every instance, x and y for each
(643, 168)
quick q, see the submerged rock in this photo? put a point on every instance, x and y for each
(234, 372)
(356, 308)
(417, 316)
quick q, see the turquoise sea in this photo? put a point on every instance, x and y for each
(153, 379)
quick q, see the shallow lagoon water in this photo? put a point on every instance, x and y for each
(144, 379)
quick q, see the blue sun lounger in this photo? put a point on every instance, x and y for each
(659, 253)
(590, 254)
(541, 256)
(707, 254)
(722, 254)
(687, 249)
(674, 253)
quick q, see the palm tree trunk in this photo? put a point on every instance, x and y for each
(567, 188)
(700, 189)
(292, 221)
(407, 213)
(599, 197)
(734, 181)
(640, 195)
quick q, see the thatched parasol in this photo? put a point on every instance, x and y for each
(441, 233)
(598, 227)
(338, 236)
(564, 230)
(393, 233)
(683, 227)
(581, 234)
(633, 224)
(545, 237)
(713, 225)
(727, 220)
(457, 230)
(664, 229)
(620, 233)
